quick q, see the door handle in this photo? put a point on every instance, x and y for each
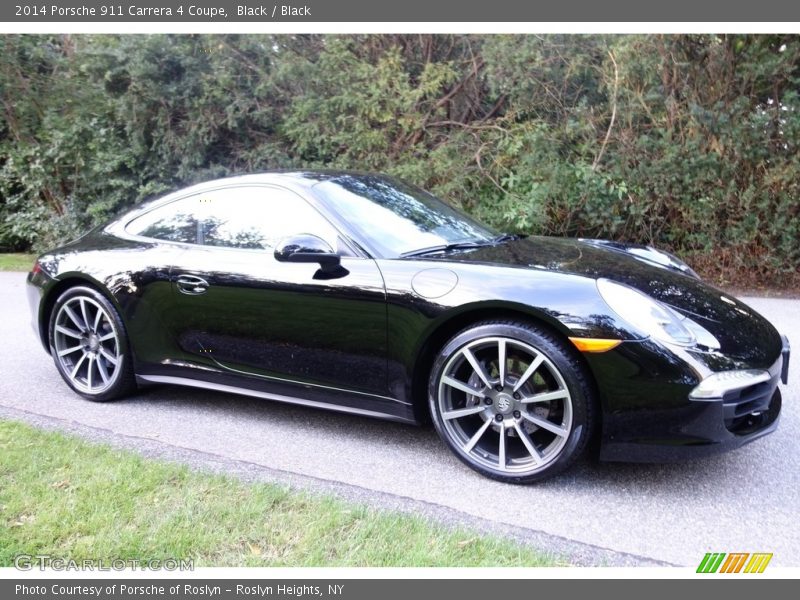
(191, 285)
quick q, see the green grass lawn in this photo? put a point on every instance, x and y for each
(71, 499)
(16, 261)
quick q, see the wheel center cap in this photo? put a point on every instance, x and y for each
(504, 403)
(93, 342)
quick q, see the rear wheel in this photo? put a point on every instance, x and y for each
(89, 345)
(512, 401)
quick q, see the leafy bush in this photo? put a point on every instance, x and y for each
(685, 142)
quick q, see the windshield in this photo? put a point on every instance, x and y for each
(395, 218)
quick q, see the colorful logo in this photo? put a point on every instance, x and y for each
(735, 562)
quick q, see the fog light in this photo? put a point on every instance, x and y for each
(715, 386)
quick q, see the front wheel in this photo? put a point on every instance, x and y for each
(512, 401)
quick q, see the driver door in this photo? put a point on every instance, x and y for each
(238, 309)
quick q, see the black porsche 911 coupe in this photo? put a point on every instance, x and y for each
(359, 293)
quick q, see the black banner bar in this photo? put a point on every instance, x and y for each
(314, 11)
(370, 589)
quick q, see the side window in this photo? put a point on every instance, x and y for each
(174, 222)
(258, 218)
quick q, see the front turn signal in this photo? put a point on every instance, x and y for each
(594, 344)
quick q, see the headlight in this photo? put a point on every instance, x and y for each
(645, 314)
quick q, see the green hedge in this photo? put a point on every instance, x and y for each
(688, 143)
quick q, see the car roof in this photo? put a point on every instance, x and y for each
(293, 177)
(296, 180)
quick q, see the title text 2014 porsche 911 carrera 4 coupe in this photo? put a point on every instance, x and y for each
(359, 293)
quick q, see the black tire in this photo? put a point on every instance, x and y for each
(86, 335)
(536, 424)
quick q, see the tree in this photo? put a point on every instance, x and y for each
(684, 142)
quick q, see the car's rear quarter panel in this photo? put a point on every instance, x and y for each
(135, 278)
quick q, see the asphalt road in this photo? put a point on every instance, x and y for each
(744, 501)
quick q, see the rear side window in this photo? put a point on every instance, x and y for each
(174, 222)
(254, 217)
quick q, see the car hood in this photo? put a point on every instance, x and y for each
(743, 334)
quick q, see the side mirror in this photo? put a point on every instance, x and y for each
(307, 248)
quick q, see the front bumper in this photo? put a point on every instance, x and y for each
(721, 413)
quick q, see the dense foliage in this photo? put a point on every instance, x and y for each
(688, 143)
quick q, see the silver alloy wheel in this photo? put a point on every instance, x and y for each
(505, 405)
(87, 345)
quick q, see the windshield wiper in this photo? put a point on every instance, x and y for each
(447, 248)
(505, 237)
